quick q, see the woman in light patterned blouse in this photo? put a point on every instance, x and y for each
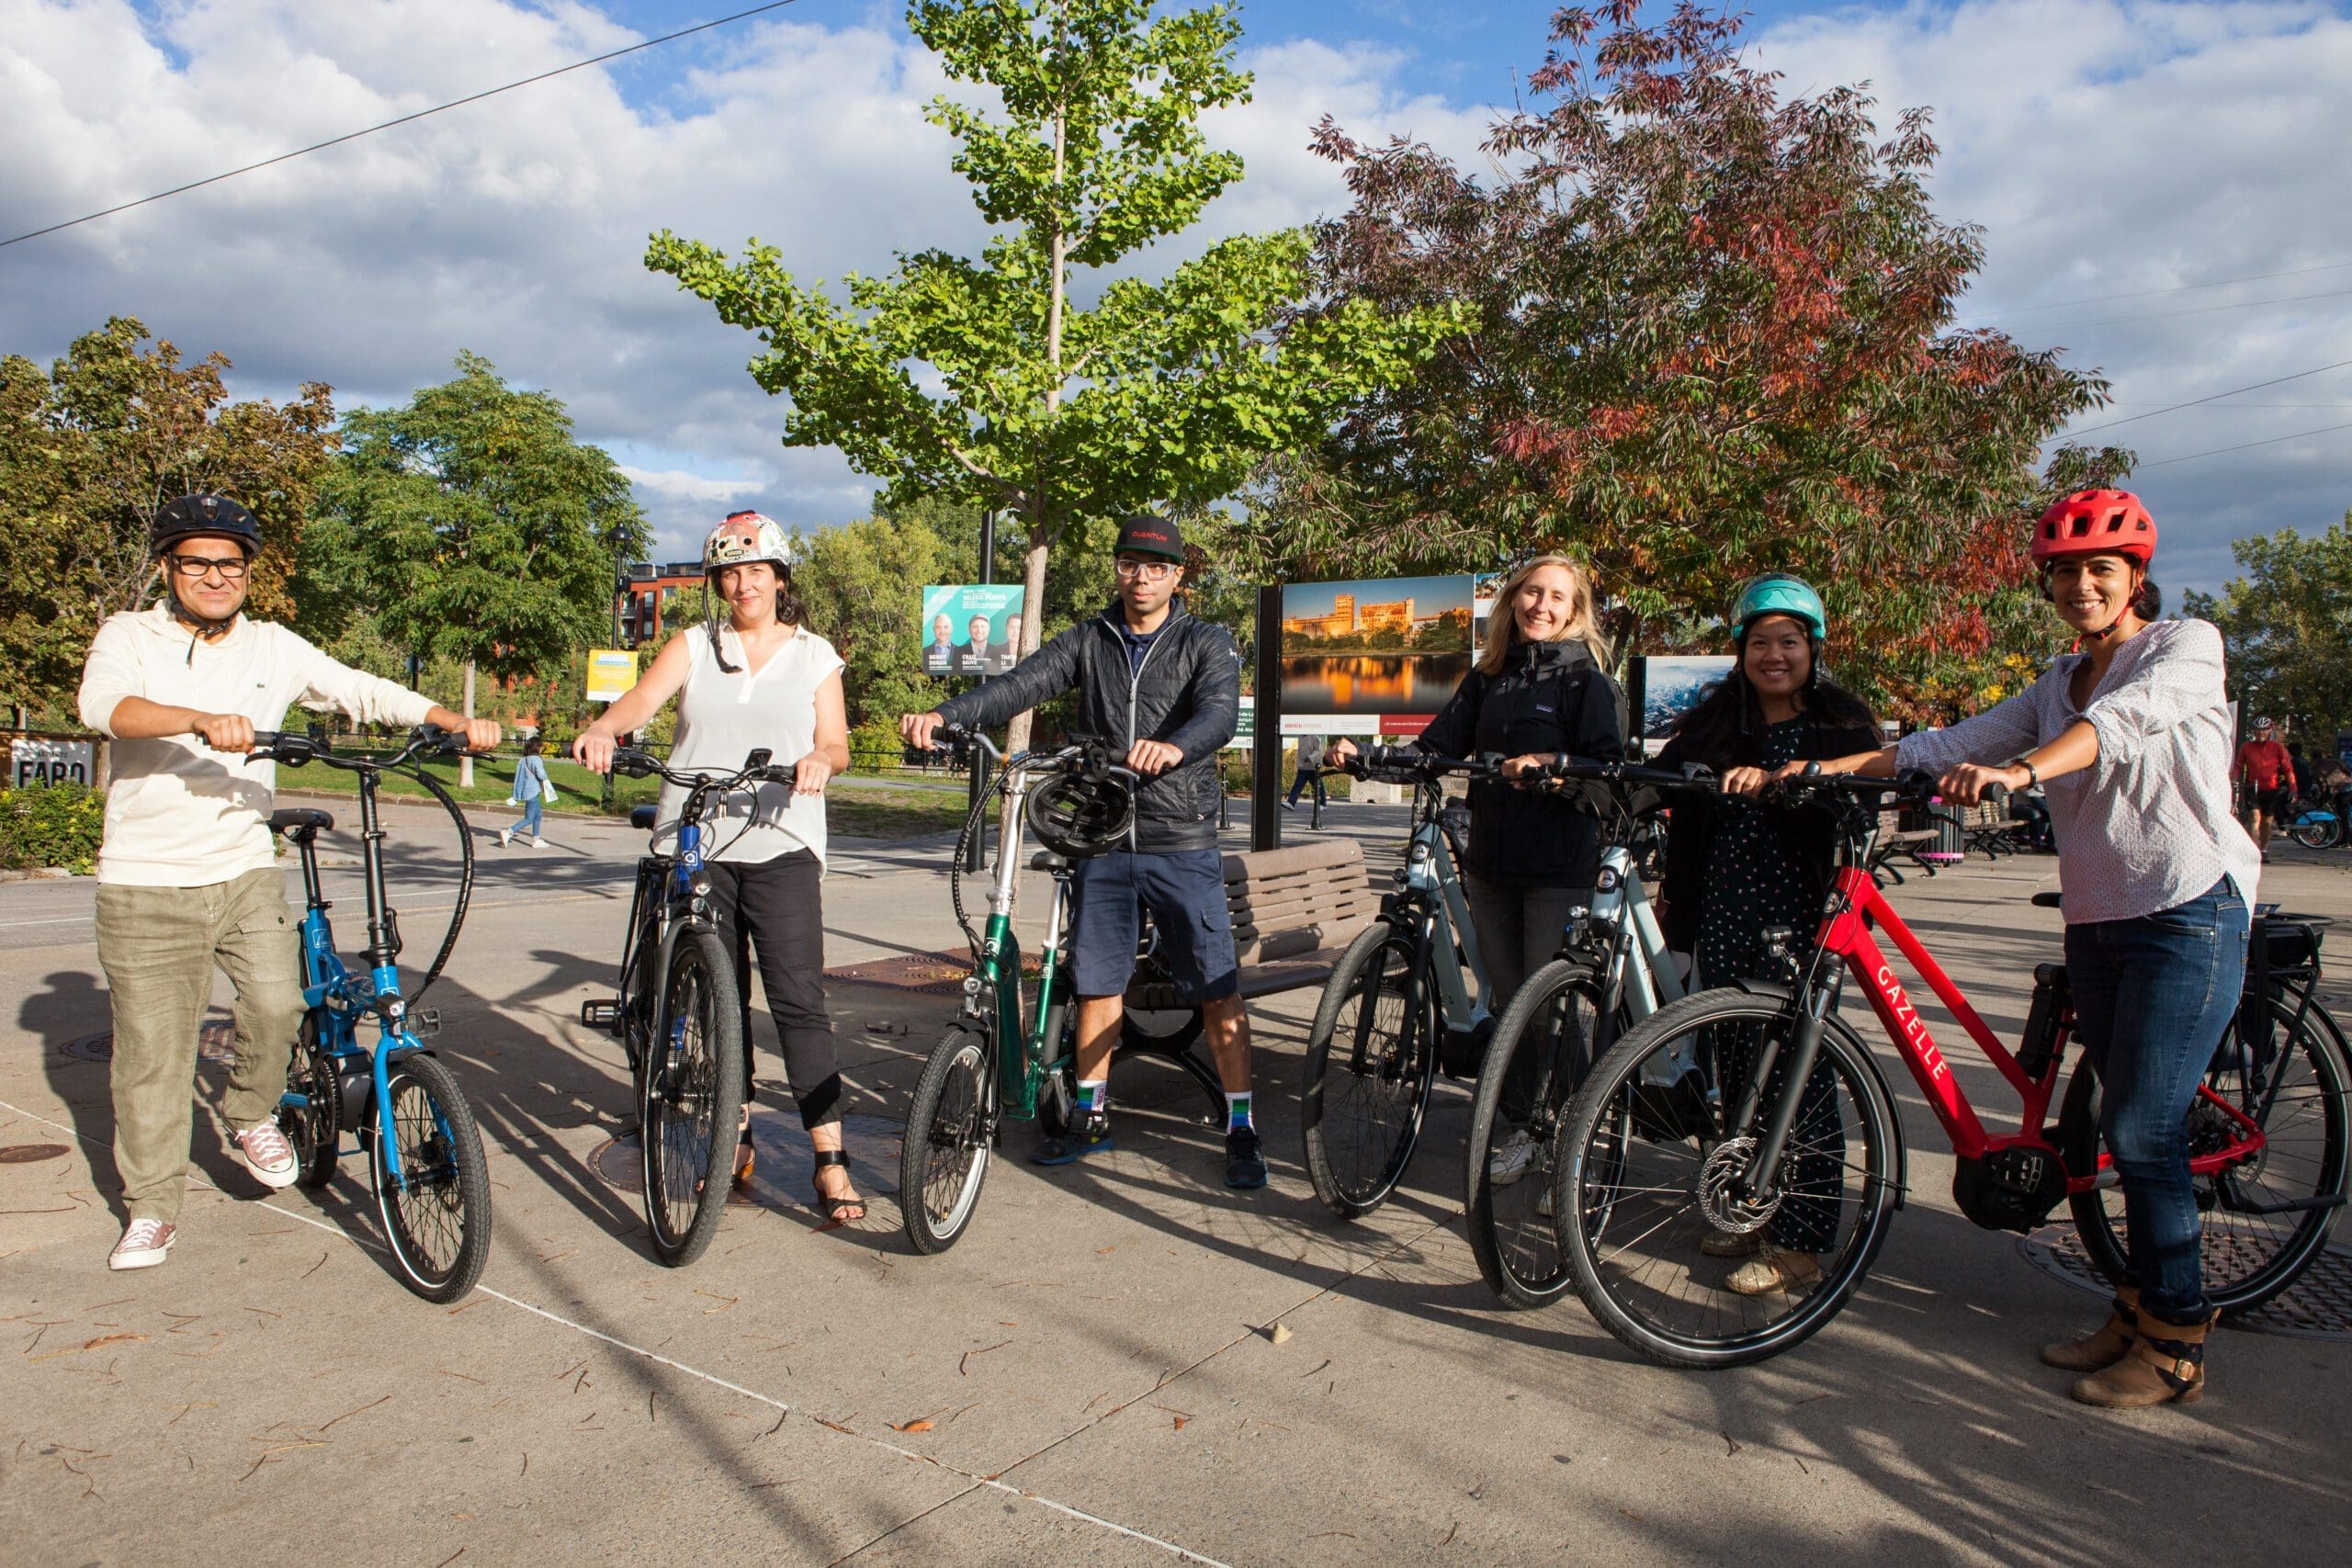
(2129, 737)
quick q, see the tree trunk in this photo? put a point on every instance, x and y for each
(466, 764)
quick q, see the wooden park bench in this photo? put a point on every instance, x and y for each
(1295, 910)
(1898, 843)
(1988, 827)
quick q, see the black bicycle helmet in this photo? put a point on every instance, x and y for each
(1080, 814)
(194, 514)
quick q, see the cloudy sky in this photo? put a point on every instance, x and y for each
(2162, 188)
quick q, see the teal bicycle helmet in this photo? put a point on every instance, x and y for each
(1777, 593)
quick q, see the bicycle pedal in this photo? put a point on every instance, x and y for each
(606, 1014)
(424, 1022)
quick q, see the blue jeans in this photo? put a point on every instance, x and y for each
(2151, 999)
(532, 810)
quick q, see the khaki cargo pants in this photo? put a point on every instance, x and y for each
(158, 946)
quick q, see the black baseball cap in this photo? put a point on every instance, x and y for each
(1144, 534)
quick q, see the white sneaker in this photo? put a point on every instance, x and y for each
(538, 843)
(506, 836)
(269, 1154)
(145, 1243)
(1511, 1158)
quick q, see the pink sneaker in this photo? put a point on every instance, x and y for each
(145, 1243)
(269, 1153)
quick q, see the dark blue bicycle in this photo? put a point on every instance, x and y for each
(679, 1015)
(394, 1097)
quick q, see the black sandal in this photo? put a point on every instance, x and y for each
(832, 1207)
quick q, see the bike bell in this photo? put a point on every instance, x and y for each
(1082, 815)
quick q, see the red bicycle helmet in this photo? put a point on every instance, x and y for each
(2095, 523)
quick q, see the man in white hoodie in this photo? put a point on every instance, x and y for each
(187, 875)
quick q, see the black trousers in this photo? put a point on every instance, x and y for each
(777, 905)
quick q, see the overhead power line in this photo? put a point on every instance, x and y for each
(404, 119)
(2216, 397)
(2153, 293)
(2192, 310)
(2243, 445)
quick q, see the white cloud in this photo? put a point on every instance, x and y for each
(2107, 148)
(2111, 148)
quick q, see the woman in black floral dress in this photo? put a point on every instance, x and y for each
(1735, 866)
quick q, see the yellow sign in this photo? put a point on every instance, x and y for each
(611, 672)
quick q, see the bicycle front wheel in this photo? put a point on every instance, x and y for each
(950, 1130)
(2312, 835)
(1655, 1208)
(2253, 1240)
(692, 1098)
(1538, 1056)
(437, 1215)
(1370, 1062)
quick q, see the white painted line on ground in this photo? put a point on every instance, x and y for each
(1183, 1554)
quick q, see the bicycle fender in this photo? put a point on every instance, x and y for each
(1780, 992)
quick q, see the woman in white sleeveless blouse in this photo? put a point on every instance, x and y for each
(760, 679)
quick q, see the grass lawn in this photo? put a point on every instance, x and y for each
(859, 812)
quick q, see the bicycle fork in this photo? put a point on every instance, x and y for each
(1803, 1049)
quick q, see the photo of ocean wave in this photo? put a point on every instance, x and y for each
(1672, 685)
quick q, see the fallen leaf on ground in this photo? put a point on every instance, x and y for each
(909, 1427)
(1280, 1334)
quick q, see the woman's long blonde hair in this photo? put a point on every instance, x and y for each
(1502, 621)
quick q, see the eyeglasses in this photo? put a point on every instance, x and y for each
(1150, 571)
(231, 569)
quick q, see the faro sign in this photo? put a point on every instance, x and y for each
(49, 762)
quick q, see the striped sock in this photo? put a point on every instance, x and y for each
(1094, 1094)
(1237, 1112)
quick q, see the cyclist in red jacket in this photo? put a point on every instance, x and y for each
(2269, 774)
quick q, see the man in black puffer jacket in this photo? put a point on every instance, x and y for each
(1166, 687)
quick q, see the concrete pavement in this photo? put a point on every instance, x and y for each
(1086, 1376)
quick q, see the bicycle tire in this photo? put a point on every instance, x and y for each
(944, 1162)
(316, 1129)
(437, 1223)
(691, 1099)
(1504, 1211)
(1400, 1067)
(2313, 835)
(2246, 1260)
(1617, 1146)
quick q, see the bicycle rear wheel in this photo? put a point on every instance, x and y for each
(692, 1099)
(1539, 1055)
(1643, 1176)
(950, 1132)
(314, 1128)
(436, 1216)
(1369, 1067)
(2248, 1254)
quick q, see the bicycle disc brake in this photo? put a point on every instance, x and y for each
(1720, 1176)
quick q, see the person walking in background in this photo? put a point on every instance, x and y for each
(1310, 772)
(759, 678)
(188, 870)
(2268, 772)
(532, 790)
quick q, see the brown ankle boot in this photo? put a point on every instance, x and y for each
(2109, 1344)
(2166, 1366)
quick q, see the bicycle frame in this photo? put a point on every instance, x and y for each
(1022, 1062)
(1444, 926)
(338, 996)
(1856, 905)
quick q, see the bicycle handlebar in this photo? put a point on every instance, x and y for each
(1411, 764)
(630, 763)
(1631, 776)
(294, 751)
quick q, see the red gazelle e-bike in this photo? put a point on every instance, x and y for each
(1755, 1110)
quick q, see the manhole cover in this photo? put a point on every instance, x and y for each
(216, 1044)
(781, 1178)
(29, 1154)
(2318, 1306)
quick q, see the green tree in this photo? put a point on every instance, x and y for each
(2288, 622)
(862, 584)
(476, 526)
(91, 449)
(1710, 333)
(1162, 393)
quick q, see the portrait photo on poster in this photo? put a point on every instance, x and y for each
(971, 628)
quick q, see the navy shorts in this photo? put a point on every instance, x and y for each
(1185, 893)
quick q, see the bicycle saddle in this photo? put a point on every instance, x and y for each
(1048, 860)
(642, 818)
(287, 819)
